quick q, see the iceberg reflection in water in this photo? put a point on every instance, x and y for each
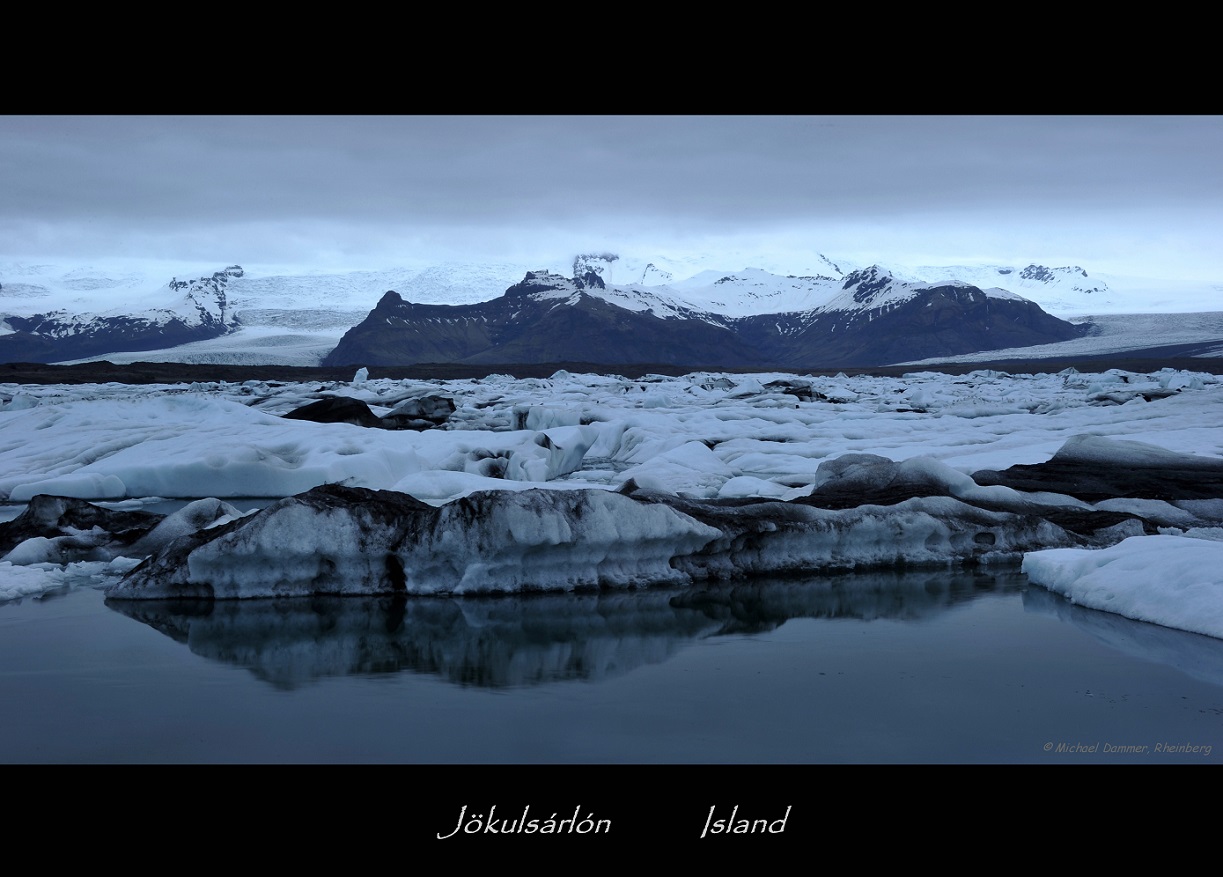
(921, 666)
(1191, 653)
(534, 639)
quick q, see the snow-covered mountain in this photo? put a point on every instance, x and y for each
(56, 313)
(185, 311)
(52, 313)
(547, 318)
(1067, 291)
(543, 318)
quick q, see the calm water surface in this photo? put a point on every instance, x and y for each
(864, 669)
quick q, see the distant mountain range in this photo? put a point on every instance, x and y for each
(873, 320)
(610, 309)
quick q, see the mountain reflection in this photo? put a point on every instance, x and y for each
(532, 639)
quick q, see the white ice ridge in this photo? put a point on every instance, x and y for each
(1174, 581)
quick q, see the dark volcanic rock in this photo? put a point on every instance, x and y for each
(851, 480)
(854, 480)
(84, 531)
(1091, 484)
(421, 413)
(1093, 469)
(1178, 357)
(337, 409)
(798, 389)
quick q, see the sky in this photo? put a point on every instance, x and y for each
(1138, 195)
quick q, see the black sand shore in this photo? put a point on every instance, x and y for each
(1184, 356)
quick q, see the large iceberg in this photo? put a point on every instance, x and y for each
(343, 540)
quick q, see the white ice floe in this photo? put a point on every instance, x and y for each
(1175, 581)
(17, 581)
(690, 470)
(229, 440)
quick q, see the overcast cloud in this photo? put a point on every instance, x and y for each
(1115, 194)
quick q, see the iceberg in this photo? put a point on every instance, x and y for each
(1174, 581)
(337, 540)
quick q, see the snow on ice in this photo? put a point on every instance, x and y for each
(1174, 581)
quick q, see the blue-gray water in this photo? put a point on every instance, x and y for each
(889, 668)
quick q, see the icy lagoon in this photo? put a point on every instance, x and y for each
(915, 668)
(942, 665)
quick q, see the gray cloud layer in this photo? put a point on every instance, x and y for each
(284, 188)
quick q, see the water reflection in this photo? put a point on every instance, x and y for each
(767, 603)
(537, 639)
(1191, 653)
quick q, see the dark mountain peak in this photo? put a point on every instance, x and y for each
(1043, 274)
(869, 282)
(1036, 272)
(589, 280)
(952, 292)
(216, 283)
(537, 281)
(831, 264)
(548, 281)
(391, 299)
